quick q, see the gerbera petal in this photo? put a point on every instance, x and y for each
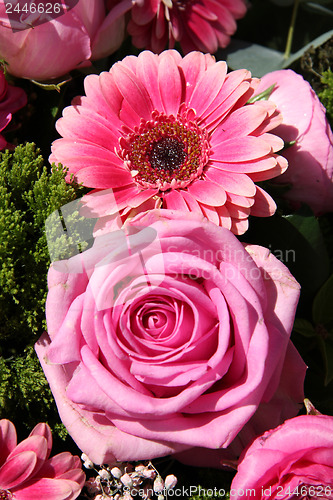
(74, 126)
(211, 213)
(76, 475)
(133, 91)
(242, 201)
(224, 216)
(144, 15)
(141, 197)
(44, 430)
(111, 94)
(274, 117)
(131, 62)
(193, 65)
(175, 200)
(239, 226)
(240, 123)
(191, 202)
(122, 197)
(277, 169)
(203, 31)
(161, 26)
(102, 177)
(35, 443)
(98, 203)
(264, 204)
(8, 439)
(208, 87)
(80, 154)
(58, 465)
(217, 112)
(93, 90)
(208, 193)
(248, 167)
(52, 489)
(236, 7)
(233, 88)
(237, 150)
(275, 142)
(205, 11)
(238, 212)
(147, 71)
(170, 83)
(237, 183)
(17, 469)
(225, 19)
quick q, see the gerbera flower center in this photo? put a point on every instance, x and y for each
(5, 495)
(182, 4)
(166, 152)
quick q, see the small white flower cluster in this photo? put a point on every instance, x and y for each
(126, 481)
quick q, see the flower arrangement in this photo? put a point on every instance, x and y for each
(166, 201)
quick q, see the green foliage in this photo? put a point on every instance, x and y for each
(29, 193)
(319, 331)
(23, 388)
(326, 95)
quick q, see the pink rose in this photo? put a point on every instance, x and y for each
(53, 48)
(11, 100)
(295, 460)
(168, 335)
(27, 472)
(310, 159)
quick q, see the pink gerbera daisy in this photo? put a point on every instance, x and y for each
(172, 132)
(27, 472)
(201, 25)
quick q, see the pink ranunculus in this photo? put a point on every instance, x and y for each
(11, 99)
(51, 49)
(203, 25)
(310, 172)
(173, 132)
(295, 460)
(168, 335)
(27, 472)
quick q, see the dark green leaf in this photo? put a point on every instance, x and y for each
(304, 327)
(322, 310)
(297, 241)
(327, 352)
(256, 58)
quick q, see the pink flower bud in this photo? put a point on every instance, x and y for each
(170, 482)
(126, 480)
(140, 468)
(149, 473)
(158, 484)
(116, 472)
(104, 474)
(92, 486)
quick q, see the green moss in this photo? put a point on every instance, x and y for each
(326, 95)
(29, 194)
(23, 388)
